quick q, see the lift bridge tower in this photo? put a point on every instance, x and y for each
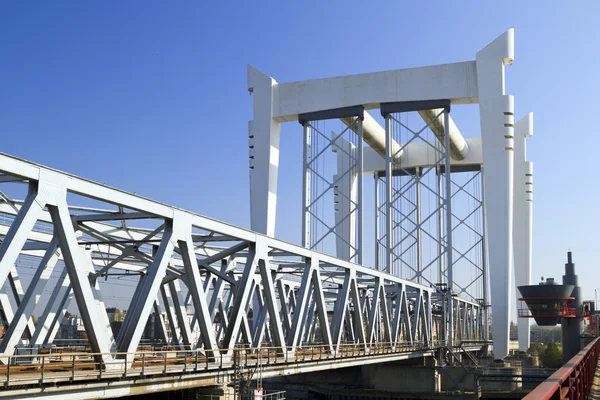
(448, 211)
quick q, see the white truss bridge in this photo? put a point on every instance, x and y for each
(210, 303)
(311, 306)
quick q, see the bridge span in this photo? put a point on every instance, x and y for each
(231, 299)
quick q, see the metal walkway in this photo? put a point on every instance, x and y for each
(55, 375)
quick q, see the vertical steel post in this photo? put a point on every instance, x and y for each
(376, 179)
(448, 201)
(43, 364)
(387, 264)
(143, 362)
(418, 223)
(359, 199)
(440, 225)
(8, 371)
(444, 322)
(484, 265)
(306, 184)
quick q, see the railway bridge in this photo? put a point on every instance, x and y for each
(233, 299)
(209, 303)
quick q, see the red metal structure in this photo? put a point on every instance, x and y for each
(572, 381)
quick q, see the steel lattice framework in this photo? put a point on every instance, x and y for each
(480, 227)
(221, 286)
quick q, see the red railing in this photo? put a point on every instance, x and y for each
(565, 312)
(572, 381)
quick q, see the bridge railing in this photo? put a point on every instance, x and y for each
(573, 380)
(33, 369)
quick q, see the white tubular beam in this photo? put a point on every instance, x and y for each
(459, 148)
(263, 135)
(374, 135)
(497, 130)
(421, 154)
(522, 218)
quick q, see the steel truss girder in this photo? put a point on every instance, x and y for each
(296, 297)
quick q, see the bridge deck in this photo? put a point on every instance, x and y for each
(595, 390)
(54, 375)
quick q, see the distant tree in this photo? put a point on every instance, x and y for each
(537, 347)
(552, 357)
(119, 315)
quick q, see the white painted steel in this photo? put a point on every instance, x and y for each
(479, 81)
(419, 154)
(459, 148)
(374, 136)
(457, 82)
(263, 134)
(260, 276)
(496, 113)
(523, 219)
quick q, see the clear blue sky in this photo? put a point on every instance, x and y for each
(151, 96)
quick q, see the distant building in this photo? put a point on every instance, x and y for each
(71, 331)
(115, 314)
(116, 318)
(514, 331)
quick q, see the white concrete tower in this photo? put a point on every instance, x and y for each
(263, 141)
(523, 218)
(496, 113)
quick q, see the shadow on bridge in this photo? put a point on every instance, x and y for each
(595, 389)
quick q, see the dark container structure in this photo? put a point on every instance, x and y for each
(549, 304)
